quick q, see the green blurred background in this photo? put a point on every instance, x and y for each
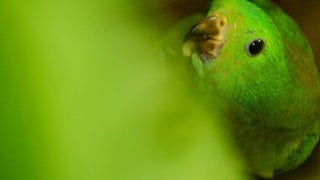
(86, 94)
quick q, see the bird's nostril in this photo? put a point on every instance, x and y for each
(222, 23)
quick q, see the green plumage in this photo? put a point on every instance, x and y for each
(272, 97)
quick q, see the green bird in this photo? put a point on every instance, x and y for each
(255, 60)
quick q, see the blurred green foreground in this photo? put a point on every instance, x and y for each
(84, 95)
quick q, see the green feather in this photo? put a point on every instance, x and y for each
(272, 98)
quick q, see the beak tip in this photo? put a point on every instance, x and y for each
(187, 48)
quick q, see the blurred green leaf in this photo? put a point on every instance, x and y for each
(85, 95)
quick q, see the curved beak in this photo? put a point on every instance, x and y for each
(206, 37)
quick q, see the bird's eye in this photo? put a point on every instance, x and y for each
(255, 47)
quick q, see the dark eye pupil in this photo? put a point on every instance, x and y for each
(255, 47)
